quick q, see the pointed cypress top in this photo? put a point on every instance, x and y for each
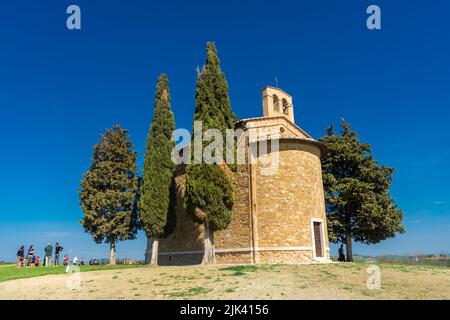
(162, 88)
(212, 58)
(330, 130)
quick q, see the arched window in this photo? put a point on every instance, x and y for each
(276, 103)
(285, 106)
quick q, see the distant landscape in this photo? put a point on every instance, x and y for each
(439, 260)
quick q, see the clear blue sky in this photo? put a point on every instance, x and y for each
(59, 89)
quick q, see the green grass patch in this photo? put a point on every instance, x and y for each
(329, 274)
(351, 265)
(241, 270)
(199, 290)
(404, 269)
(407, 268)
(304, 286)
(10, 272)
(348, 288)
(370, 293)
(191, 292)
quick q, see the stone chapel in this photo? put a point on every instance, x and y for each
(278, 217)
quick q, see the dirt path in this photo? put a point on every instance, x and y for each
(336, 281)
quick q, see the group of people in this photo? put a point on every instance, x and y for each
(80, 262)
(30, 259)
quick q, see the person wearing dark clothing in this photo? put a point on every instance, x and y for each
(31, 251)
(30, 254)
(48, 254)
(20, 256)
(58, 250)
(341, 254)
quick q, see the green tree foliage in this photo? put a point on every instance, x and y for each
(209, 187)
(157, 205)
(209, 193)
(109, 191)
(358, 201)
(212, 104)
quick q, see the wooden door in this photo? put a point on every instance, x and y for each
(318, 239)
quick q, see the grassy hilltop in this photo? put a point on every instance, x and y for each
(327, 281)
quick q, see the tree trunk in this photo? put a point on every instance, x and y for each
(148, 251)
(348, 245)
(112, 248)
(155, 244)
(209, 254)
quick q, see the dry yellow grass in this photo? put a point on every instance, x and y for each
(332, 281)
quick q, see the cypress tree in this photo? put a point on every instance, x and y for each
(157, 211)
(209, 187)
(359, 205)
(109, 191)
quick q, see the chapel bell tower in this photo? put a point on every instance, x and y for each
(276, 102)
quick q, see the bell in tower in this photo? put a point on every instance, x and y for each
(277, 103)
